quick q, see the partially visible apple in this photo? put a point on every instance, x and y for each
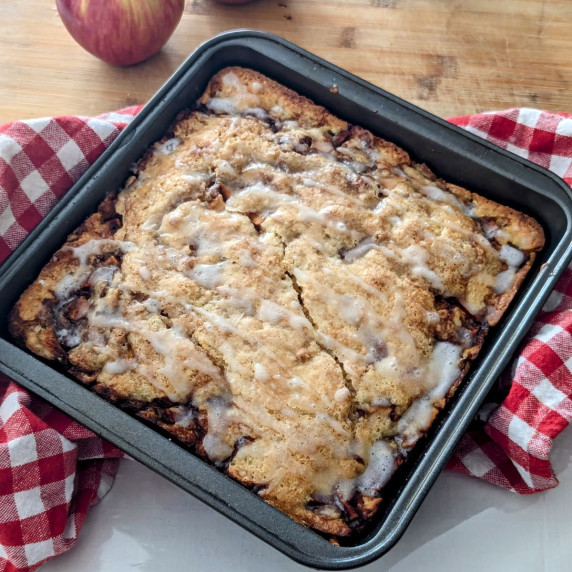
(233, 1)
(121, 32)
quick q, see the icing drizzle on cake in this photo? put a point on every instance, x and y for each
(304, 295)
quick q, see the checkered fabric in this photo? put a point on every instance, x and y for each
(39, 162)
(509, 444)
(52, 469)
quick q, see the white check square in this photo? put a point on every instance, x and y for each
(34, 186)
(8, 148)
(8, 407)
(547, 332)
(29, 503)
(565, 127)
(38, 551)
(38, 125)
(104, 128)
(70, 155)
(517, 150)
(524, 474)
(70, 530)
(23, 450)
(520, 432)
(546, 393)
(478, 463)
(560, 165)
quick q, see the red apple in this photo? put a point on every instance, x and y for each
(121, 32)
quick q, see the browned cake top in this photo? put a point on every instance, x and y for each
(292, 285)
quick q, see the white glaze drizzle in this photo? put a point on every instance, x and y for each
(168, 146)
(381, 465)
(214, 442)
(241, 100)
(443, 370)
(212, 235)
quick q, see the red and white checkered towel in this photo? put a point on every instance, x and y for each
(52, 469)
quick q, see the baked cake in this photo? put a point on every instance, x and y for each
(287, 295)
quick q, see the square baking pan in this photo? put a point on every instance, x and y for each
(451, 153)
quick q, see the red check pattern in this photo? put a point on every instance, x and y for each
(509, 444)
(52, 469)
(39, 162)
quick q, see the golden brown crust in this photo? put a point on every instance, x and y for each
(285, 294)
(268, 95)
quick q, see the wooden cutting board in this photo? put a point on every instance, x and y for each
(452, 57)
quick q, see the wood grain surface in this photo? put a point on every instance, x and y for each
(452, 57)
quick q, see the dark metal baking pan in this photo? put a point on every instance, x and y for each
(450, 152)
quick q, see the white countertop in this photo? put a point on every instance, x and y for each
(464, 524)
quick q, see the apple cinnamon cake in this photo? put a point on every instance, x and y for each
(289, 296)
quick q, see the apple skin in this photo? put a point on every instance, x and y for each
(121, 32)
(233, 1)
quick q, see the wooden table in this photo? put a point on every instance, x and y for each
(452, 57)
